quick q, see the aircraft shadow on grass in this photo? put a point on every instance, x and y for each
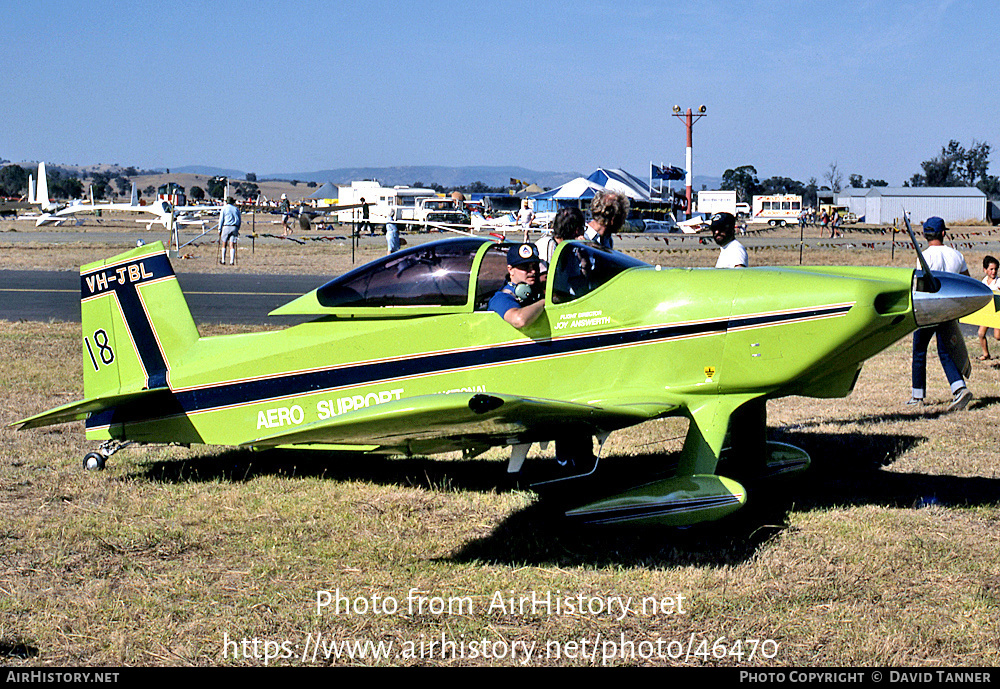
(847, 470)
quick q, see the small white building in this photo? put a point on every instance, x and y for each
(885, 205)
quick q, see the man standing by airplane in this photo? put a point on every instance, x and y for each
(733, 254)
(520, 301)
(365, 223)
(229, 230)
(568, 224)
(392, 232)
(286, 215)
(945, 259)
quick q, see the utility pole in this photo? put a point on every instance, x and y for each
(689, 120)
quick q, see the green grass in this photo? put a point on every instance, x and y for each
(883, 554)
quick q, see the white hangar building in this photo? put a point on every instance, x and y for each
(885, 205)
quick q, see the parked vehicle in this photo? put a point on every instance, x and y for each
(439, 209)
(777, 209)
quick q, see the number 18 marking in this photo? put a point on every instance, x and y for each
(104, 351)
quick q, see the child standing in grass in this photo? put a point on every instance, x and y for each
(990, 267)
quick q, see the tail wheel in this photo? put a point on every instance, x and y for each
(94, 461)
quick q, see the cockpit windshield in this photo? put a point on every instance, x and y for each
(583, 267)
(433, 274)
(438, 274)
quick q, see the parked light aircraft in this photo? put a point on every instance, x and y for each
(403, 358)
(38, 195)
(54, 213)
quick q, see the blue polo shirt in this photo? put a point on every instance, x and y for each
(503, 300)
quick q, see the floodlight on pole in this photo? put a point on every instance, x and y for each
(689, 119)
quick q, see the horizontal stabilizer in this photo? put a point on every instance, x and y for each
(77, 411)
(441, 422)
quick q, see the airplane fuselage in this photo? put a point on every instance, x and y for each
(646, 335)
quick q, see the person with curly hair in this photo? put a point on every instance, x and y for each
(609, 210)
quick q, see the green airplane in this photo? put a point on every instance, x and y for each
(403, 358)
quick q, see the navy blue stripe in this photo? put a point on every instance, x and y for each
(773, 319)
(227, 394)
(363, 374)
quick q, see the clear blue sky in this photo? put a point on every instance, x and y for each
(790, 86)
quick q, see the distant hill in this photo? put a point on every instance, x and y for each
(709, 183)
(496, 176)
(208, 171)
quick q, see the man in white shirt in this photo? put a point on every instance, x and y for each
(733, 254)
(944, 259)
(524, 218)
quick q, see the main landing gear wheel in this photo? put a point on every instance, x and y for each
(94, 461)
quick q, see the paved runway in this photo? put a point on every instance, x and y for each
(39, 295)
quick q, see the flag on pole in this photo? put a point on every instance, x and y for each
(667, 172)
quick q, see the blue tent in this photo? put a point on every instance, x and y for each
(621, 182)
(573, 193)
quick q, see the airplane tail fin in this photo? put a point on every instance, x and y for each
(42, 188)
(135, 195)
(136, 325)
(136, 322)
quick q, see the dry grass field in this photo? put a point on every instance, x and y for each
(883, 554)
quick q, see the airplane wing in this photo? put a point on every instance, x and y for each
(208, 210)
(77, 411)
(692, 226)
(453, 421)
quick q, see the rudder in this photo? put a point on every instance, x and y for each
(136, 322)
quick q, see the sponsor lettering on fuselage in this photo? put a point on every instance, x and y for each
(470, 388)
(326, 409)
(276, 417)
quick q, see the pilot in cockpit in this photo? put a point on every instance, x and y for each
(521, 300)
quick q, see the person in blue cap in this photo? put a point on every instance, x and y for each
(945, 259)
(521, 300)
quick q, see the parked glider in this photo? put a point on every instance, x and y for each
(403, 358)
(54, 213)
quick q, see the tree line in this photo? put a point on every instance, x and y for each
(955, 166)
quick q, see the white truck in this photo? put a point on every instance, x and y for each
(439, 209)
